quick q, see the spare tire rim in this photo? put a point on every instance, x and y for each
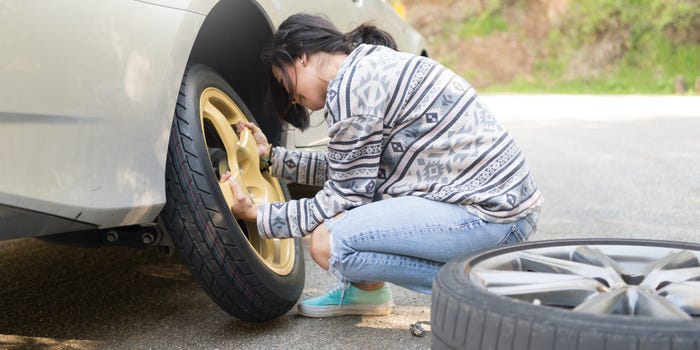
(635, 280)
(219, 115)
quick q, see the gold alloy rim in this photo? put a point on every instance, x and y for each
(219, 115)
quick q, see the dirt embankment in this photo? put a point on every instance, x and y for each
(492, 59)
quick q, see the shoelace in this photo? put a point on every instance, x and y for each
(342, 286)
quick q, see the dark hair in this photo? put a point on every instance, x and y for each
(307, 34)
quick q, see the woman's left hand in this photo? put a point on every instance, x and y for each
(242, 207)
(264, 146)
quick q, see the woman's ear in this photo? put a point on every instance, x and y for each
(303, 58)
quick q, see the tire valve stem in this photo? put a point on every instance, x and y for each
(418, 330)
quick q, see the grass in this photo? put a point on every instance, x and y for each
(653, 41)
(488, 21)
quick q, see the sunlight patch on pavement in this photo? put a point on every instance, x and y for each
(8, 341)
(401, 318)
(592, 107)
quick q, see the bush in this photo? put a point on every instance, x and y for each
(618, 46)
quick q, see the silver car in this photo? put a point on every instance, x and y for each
(115, 123)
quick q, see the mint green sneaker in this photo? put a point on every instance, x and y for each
(349, 300)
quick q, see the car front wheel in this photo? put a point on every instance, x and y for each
(248, 276)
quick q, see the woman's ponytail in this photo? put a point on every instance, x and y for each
(367, 34)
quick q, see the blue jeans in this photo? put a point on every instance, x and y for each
(406, 240)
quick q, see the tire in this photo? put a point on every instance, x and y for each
(490, 300)
(251, 278)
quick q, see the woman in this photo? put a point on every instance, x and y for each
(417, 170)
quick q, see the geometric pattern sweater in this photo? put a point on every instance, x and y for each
(402, 125)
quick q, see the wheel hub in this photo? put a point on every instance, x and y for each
(648, 281)
(237, 153)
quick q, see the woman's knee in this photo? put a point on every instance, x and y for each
(319, 246)
(318, 242)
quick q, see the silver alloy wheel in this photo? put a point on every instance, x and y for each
(637, 280)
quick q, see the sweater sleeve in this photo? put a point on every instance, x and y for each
(353, 161)
(306, 168)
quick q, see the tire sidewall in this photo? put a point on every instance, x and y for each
(289, 286)
(453, 281)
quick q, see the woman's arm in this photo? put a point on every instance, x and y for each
(353, 162)
(306, 168)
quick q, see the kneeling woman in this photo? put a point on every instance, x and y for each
(417, 170)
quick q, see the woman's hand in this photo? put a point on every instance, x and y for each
(243, 207)
(263, 145)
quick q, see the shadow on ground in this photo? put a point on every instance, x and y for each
(59, 297)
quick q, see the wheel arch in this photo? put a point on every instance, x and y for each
(230, 41)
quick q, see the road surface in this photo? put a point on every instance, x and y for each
(608, 167)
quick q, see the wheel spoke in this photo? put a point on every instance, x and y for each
(495, 278)
(255, 241)
(673, 260)
(273, 246)
(226, 191)
(247, 156)
(660, 277)
(593, 256)
(541, 263)
(685, 295)
(223, 129)
(566, 293)
(605, 303)
(650, 304)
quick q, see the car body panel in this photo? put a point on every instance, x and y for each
(87, 95)
(86, 119)
(201, 7)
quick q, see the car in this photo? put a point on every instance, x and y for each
(117, 123)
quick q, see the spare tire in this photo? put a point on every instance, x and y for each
(248, 276)
(570, 294)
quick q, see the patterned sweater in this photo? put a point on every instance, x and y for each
(402, 125)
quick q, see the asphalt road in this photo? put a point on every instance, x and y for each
(625, 167)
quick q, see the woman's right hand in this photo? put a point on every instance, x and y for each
(264, 146)
(243, 206)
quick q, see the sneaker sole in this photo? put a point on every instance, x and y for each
(332, 311)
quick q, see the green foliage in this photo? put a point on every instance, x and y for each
(488, 21)
(653, 38)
